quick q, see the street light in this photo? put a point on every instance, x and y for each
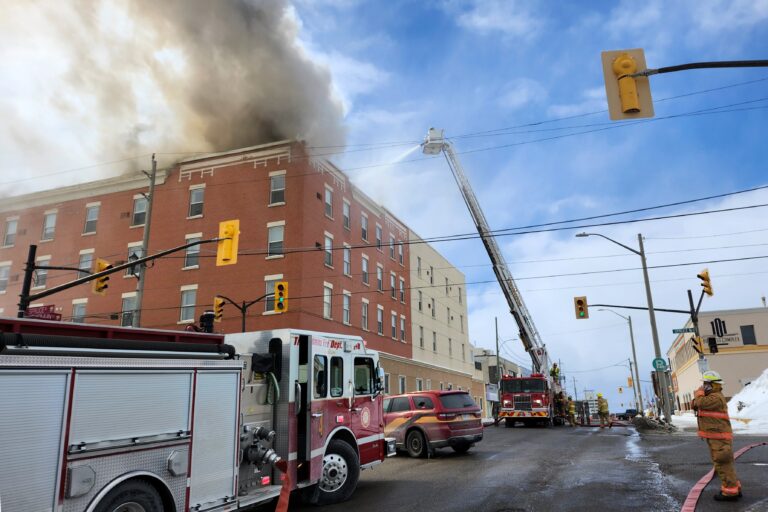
(654, 332)
(637, 390)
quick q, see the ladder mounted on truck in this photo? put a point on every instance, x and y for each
(435, 143)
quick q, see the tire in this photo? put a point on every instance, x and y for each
(509, 423)
(340, 473)
(131, 496)
(461, 448)
(416, 444)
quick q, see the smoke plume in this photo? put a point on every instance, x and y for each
(175, 76)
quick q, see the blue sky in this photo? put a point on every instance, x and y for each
(396, 68)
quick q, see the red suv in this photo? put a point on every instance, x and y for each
(424, 420)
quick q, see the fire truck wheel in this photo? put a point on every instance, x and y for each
(416, 444)
(341, 470)
(509, 423)
(131, 496)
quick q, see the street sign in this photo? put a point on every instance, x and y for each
(659, 364)
(43, 313)
(683, 330)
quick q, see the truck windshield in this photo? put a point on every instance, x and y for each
(523, 386)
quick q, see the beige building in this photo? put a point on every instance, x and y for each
(742, 352)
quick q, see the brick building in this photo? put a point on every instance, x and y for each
(346, 258)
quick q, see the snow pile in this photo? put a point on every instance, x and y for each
(748, 409)
(686, 421)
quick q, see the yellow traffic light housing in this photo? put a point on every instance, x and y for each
(629, 382)
(581, 308)
(281, 296)
(706, 283)
(229, 235)
(218, 309)
(99, 285)
(698, 344)
(628, 97)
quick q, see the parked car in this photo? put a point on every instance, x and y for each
(423, 421)
(627, 415)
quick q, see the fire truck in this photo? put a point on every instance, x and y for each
(530, 400)
(105, 419)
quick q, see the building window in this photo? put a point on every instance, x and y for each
(386, 384)
(450, 347)
(393, 325)
(418, 266)
(134, 252)
(78, 312)
(421, 336)
(364, 227)
(91, 218)
(420, 301)
(346, 298)
(402, 290)
(434, 309)
(463, 355)
(461, 322)
(345, 213)
(448, 316)
(364, 269)
(196, 196)
(9, 238)
(401, 383)
(49, 226)
(419, 385)
(431, 275)
(5, 274)
(460, 295)
(192, 253)
(434, 342)
(127, 311)
(392, 285)
(446, 286)
(748, 335)
(329, 203)
(378, 237)
(188, 298)
(85, 264)
(327, 294)
(275, 237)
(364, 314)
(380, 320)
(379, 278)
(269, 291)
(402, 328)
(139, 211)
(41, 274)
(429, 384)
(277, 189)
(391, 246)
(400, 253)
(328, 250)
(347, 260)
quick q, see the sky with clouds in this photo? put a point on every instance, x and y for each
(518, 87)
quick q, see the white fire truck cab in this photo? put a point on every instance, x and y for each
(100, 418)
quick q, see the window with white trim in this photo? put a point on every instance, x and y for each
(91, 218)
(275, 240)
(78, 311)
(328, 202)
(400, 253)
(49, 226)
(379, 278)
(277, 189)
(401, 383)
(5, 275)
(128, 308)
(328, 250)
(347, 260)
(327, 297)
(196, 197)
(402, 328)
(392, 246)
(85, 264)
(269, 290)
(139, 211)
(9, 235)
(192, 253)
(392, 285)
(402, 290)
(364, 269)
(364, 315)
(134, 252)
(419, 385)
(188, 298)
(364, 227)
(345, 305)
(380, 320)
(345, 213)
(393, 325)
(40, 277)
(378, 237)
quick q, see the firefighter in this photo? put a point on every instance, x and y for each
(715, 426)
(571, 411)
(602, 411)
(555, 373)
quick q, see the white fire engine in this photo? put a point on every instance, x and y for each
(104, 419)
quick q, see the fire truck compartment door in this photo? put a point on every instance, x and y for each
(32, 409)
(214, 434)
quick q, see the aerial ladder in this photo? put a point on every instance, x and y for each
(435, 143)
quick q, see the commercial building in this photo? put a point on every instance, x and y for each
(346, 259)
(741, 338)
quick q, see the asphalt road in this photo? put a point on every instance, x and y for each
(557, 469)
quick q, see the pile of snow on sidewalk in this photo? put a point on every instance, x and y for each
(748, 408)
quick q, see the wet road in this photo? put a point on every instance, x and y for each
(556, 469)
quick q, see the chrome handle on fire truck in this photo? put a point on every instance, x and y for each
(297, 403)
(317, 414)
(351, 395)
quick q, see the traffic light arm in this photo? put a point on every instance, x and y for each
(702, 65)
(25, 300)
(683, 311)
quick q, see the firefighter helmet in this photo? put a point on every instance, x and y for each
(599, 395)
(711, 376)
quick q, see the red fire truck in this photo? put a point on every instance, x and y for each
(529, 400)
(101, 419)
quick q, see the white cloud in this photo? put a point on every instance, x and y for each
(522, 92)
(513, 19)
(593, 100)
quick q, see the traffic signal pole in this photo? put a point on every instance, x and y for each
(243, 309)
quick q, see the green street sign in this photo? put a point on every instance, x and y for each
(683, 330)
(659, 364)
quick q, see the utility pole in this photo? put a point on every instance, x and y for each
(634, 388)
(145, 244)
(575, 391)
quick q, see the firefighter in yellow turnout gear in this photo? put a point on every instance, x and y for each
(571, 412)
(715, 427)
(602, 411)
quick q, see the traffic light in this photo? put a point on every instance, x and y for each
(620, 390)
(712, 342)
(281, 296)
(100, 285)
(629, 382)
(581, 307)
(229, 235)
(698, 344)
(628, 97)
(218, 309)
(706, 283)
